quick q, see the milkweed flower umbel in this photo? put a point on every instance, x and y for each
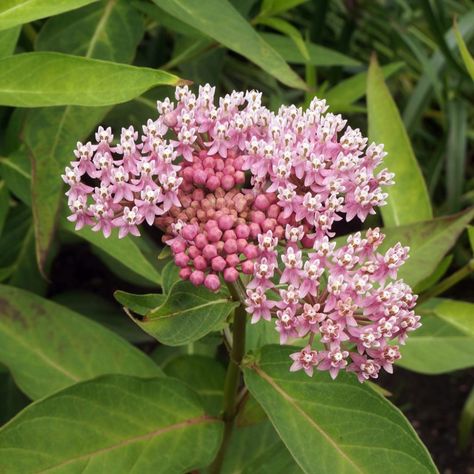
(240, 190)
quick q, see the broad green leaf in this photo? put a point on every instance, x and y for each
(47, 79)
(465, 54)
(445, 341)
(318, 55)
(257, 449)
(350, 426)
(108, 30)
(345, 93)
(125, 251)
(438, 273)
(17, 12)
(429, 242)
(139, 304)
(48, 347)
(386, 126)
(104, 312)
(113, 424)
(204, 375)
(8, 39)
(187, 314)
(222, 22)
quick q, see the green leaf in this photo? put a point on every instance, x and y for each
(429, 242)
(318, 55)
(17, 12)
(457, 119)
(257, 449)
(187, 314)
(17, 252)
(12, 398)
(222, 22)
(16, 172)
(107, 30)
(139, 304)
(169, 275)
(445, 341)
(386, 126)
(350, 426)
(466, 421)
(112, 424)
(470, 233)
(421, 95)
(46, 79)
(272, 7)
(48, 347)
(288, 30)
(346, 92)
(8, 39)
(4, 204)
(204, 375)
(465, 54)
(125, 251)
(104, 312)
(438, 273)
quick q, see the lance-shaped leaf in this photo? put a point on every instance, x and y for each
(352, 428)
(317, 55)
(17, 12)
(408, 199)
(116, 424)
(187, 314)
(465, 54)
(445, 341)
(48, 347)
(221, 21)
(428, 241)
(47, 79)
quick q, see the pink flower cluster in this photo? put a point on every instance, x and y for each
(240, 190)
(345, 300)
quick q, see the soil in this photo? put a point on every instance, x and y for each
(433, 404)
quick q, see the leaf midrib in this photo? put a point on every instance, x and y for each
(297, 407)
(135, 439)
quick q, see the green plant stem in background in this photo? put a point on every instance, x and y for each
(233, 375)
(448, 282)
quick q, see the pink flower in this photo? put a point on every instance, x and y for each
(238, 189)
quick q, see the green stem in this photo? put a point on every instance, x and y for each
(232, 378)
(447, 283)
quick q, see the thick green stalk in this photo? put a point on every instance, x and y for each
(232, 378)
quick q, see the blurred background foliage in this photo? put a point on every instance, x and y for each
(291, 50)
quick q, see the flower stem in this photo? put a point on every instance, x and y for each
(448, 282)
(232, 378)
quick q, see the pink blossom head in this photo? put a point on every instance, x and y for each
(240, 190)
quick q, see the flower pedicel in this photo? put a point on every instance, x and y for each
(238, 189)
